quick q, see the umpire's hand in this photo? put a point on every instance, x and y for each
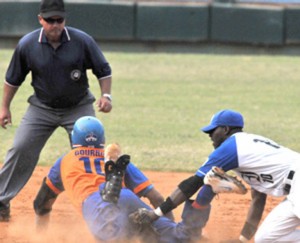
(5, 117)
(104, 105)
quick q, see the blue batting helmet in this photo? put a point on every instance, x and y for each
(88, 131)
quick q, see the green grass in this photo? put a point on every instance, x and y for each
(161, 100)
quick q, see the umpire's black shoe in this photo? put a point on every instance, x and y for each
(4, 212)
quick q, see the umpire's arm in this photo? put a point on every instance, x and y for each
(104, 104)
(9, 92)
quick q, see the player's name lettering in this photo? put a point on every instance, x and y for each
(88, 152)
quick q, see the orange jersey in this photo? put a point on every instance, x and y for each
(81, 171)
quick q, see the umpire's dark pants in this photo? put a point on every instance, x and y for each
(37, 125)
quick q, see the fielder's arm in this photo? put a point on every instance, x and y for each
(184, 191)
(156, 199)
(254, 216)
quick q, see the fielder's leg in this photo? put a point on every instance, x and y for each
(280, 225)
(188, 230)
(194, 220)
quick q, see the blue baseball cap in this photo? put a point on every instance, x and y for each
(224, 118)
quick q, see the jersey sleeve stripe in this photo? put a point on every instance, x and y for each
(141, 187)
(52, 187)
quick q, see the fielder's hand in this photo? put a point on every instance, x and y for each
(143, 216)
(223, 183)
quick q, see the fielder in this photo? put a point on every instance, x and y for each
(105, 188)
(269, 168)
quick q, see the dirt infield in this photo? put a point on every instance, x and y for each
(226, 220)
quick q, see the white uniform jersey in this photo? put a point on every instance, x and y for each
(265, 166)
(259, 161)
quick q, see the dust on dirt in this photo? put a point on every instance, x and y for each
(226, 220)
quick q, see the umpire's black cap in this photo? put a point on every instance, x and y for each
(50, 8)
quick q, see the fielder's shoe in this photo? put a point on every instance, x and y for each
(4, 212)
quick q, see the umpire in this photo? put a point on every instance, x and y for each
(58, 58)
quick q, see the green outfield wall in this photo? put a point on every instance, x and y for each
(292, 24)
(163, 22)
(158, 22)
(110, 21)
(18, 18)
(251, 25)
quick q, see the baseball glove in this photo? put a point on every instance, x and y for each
(223, 183)
(142, 220)
(143, 216)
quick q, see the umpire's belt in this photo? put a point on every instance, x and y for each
(288, 181)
